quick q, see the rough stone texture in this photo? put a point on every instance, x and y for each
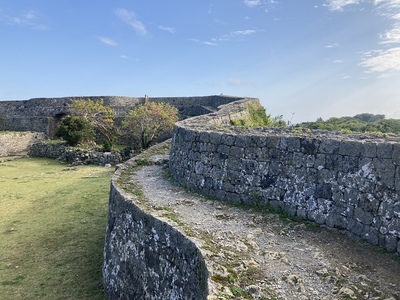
(146, 258)
(13, 143)
(43, 114)
(349, 182)
(78, 156)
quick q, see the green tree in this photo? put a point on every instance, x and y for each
(75, 130)
(149, 121)
(99, 116)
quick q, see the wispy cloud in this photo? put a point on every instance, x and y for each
(252, 3)
(129, 18)
(338, 61)
(168, 29)
(388, 3)
(334, 45)
(382, 60)
(386, 58)
(107, 41)
(338, 5)
(27, 19)
(257, 3)
(234, 35)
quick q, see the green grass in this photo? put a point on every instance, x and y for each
(52, 227)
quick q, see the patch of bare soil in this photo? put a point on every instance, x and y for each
(259, 255)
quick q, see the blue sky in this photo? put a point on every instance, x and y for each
(302, 59)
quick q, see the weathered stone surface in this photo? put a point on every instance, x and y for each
(13, 143)
(349, 182)
(76, 156)
(146, 258)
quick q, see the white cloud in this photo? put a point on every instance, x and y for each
(388, 3)
(382, 60)
(252, 3)
(338, 61)
(27, 19)
(337, 5)
(130, 18)
(243, 32)
(107, 41)
(334, 45)
(234, 35)
(392, 36)
(169, 29)
(209, 43)
(124, 57)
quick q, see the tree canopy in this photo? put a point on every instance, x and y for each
(93, 114)
(364, 123)
(149, 121)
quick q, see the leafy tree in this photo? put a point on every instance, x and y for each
(99, 116)
(369, 117)
(149, 121)
(75, 130)
(359, 123)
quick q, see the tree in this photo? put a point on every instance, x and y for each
(149, 121)
(75, 130)
(99, 116)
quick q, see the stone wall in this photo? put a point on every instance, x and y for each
(78, 156)
(146, 258)
(341, 181)
(43, 114)
(13, 143)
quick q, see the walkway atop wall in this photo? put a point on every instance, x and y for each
(254, 255)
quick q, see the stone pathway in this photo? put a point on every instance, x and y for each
(259, 255)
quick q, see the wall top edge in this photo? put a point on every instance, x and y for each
(226, 113)
(117, 97)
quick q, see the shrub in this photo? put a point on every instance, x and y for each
(75, 130)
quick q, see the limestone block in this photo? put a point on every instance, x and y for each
(384, 150)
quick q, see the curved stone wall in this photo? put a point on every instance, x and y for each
(341, 181)
(146, 258)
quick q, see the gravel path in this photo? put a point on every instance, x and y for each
(260, 255)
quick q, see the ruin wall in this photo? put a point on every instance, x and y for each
(349, 182)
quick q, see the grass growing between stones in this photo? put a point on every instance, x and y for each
(52, 226)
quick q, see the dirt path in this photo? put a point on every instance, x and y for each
(253, 255)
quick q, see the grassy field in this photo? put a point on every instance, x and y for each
(52, 227)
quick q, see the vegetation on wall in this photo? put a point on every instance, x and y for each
(149, 121)
(364, 123)
(259, 118)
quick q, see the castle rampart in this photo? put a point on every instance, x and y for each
(341, 181)
(43, 114)
(145, 257)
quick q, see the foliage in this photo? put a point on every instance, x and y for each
(258, 118)
(52, 237)
(99, 116)
(75, 130)
(365, 123)
(149, 121)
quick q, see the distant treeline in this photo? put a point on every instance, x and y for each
(364, 123)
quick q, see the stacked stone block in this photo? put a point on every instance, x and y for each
(341, 181)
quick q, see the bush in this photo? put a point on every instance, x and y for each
(75, 130)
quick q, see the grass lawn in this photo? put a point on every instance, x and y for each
(52, 227)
